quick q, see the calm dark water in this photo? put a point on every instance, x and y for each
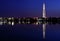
(29, 33)
(53, 32)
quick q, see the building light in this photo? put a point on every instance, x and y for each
(9, 18)
(9, 22)
(1, 23)
(12, 23)
(37, 23)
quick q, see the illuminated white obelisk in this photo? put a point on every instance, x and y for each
(44, 12)
(44, 16)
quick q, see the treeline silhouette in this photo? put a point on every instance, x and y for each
(29, 20)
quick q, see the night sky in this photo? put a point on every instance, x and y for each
(28, 8)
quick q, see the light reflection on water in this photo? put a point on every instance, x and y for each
(30, 32)
(53, 32)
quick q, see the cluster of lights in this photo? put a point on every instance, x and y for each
(12, 20)
(6, 21)
(27, 20)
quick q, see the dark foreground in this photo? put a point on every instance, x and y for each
(29, 33)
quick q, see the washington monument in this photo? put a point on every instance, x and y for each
(44, 16)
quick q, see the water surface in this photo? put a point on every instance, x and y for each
(28, 32)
